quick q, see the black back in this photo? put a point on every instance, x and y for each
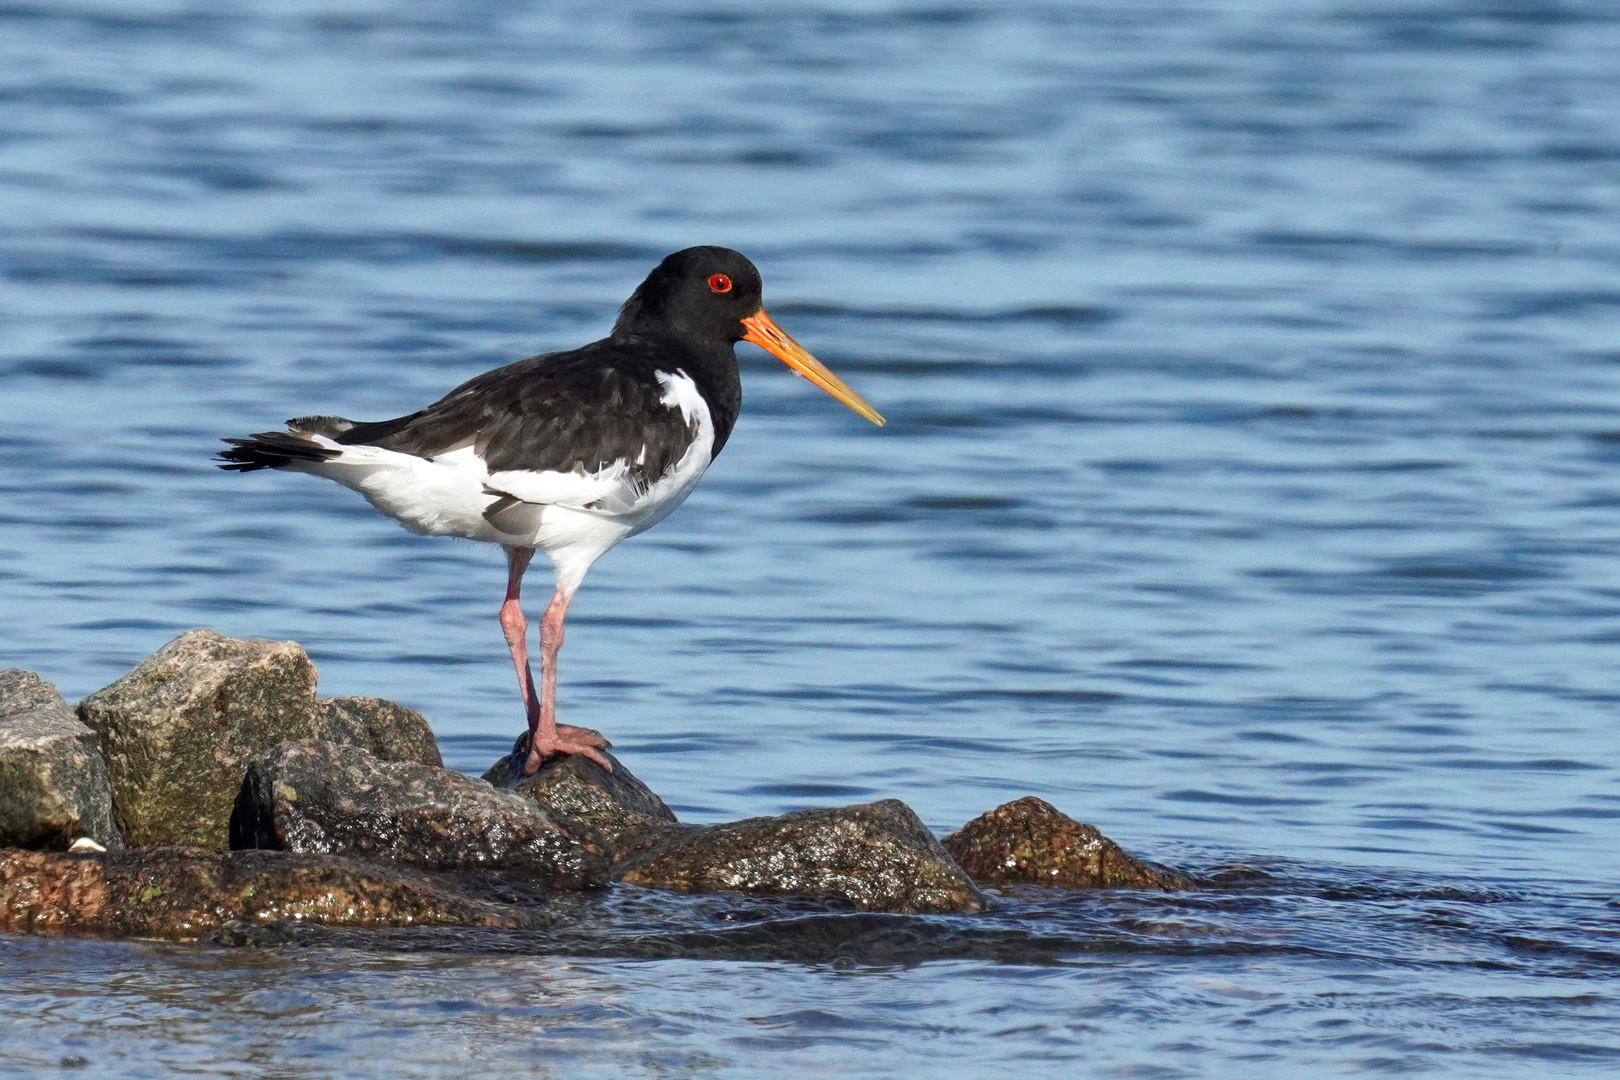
(592, 406)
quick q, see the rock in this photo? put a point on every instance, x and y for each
(183, 893)
(577, 785)
(626, 814)
(878, 855)
(179, 730)
(53, 781)
(390, 732)
(1029, 841)
(324, 797)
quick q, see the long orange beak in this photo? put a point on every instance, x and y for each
(774, 340)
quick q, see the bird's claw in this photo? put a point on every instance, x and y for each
(585, 742)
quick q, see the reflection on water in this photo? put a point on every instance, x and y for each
(1247, 491)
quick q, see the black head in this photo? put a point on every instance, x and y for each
(699, 294)
(709, 298)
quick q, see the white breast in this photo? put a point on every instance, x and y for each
(674, 486)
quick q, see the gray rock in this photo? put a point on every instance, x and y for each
(1029, 841)
(622, 810)
(390, 732)
(323, 797)
(185, 893)
(179, 730)
(879, 856)
(53, 781)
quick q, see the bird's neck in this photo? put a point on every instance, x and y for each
(712, 366)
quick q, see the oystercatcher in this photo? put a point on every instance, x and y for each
(568, 452)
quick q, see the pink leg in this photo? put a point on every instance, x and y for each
(549, 736)
(546, 736)
(516, 628)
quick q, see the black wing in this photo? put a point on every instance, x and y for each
(579, 410)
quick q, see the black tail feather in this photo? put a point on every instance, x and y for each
(332, 427)
(271, 450)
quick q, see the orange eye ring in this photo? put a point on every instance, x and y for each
(719, 283)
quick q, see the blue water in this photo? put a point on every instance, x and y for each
(1253, 377)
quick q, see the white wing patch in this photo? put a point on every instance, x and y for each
(682, 392)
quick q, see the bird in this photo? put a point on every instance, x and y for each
(566, 452)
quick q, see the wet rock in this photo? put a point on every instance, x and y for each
(53, 781)
(879, 856)
(1029, 841)
(388, 731)
(622, 810)
(184, 893)
(179, 730)
(324, 797)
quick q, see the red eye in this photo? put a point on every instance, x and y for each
(719, 283)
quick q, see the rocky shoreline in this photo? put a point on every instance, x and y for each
(210, 793)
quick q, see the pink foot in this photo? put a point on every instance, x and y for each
(567, 740)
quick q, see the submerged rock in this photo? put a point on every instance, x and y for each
(53, 781)
(879, 856)
(184, 893)
(1029, 841)
(622, 810)
(324, 797)
(179, 730)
